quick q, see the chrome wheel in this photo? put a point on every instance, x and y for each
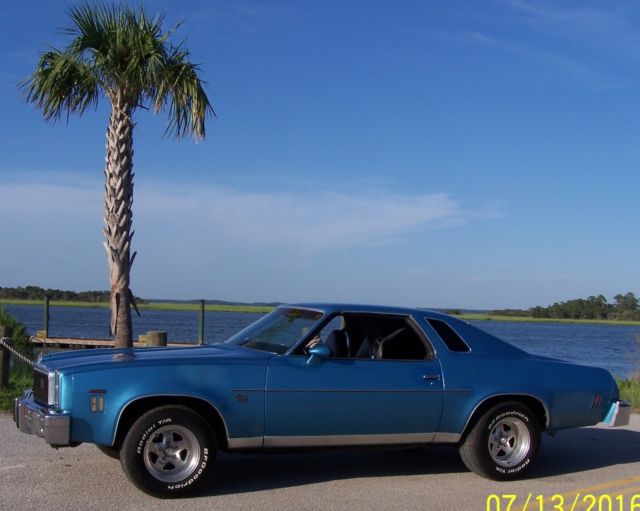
(504, 442)
(171, 453)
(509, 442)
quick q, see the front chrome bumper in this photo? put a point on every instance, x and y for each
(619, 414)
(35, 419)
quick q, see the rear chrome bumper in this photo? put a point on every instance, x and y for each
(35, 419)
(619, 414)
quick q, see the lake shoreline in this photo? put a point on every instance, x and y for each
(169, 306)
(527, 319)
(180, 306)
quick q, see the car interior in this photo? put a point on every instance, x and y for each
(370, 336)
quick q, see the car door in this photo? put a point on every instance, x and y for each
(351, 401)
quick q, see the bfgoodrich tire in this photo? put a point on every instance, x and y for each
(169, 451)
(504, 443)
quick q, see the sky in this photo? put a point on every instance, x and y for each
(463, 154)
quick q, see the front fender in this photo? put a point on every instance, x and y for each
(241, 407)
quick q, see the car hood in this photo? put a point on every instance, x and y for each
(222, 353)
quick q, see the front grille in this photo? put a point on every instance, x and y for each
(41, 386)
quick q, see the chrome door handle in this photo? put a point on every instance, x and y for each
(430, 377)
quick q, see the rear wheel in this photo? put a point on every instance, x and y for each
(169, 451)
(504, 443)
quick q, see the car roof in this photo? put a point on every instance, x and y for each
(480, 342)
(331, 307)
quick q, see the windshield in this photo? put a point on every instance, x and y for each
(277, 331)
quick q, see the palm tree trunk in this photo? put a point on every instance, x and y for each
(118, 199)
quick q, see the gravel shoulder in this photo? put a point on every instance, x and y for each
(597, 460)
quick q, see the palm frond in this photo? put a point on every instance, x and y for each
(182, 90)
(61, 83)
(122, 53)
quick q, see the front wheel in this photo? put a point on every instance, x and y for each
(504, 443)
(169, 451)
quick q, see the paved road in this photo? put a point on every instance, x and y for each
(599, 461)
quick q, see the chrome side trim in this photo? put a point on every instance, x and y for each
(342, 440)
(446, 438)
(347, 440)
(358, 391)
(245, 443)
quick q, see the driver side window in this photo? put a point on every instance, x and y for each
(377, 337)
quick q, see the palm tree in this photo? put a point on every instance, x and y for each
(122, 54)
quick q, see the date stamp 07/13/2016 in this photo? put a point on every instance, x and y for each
(618, 495)
(618, 501)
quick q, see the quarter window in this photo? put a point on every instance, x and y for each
(449, 336)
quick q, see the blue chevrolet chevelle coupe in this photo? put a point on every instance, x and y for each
(315, 375)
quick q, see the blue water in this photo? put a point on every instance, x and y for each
(93, 323)
(613, 347)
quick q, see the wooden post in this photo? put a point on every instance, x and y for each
(158, 338)
(5, 356)
(46, 315)
(201, 325)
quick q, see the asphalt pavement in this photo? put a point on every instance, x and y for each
(597, 467)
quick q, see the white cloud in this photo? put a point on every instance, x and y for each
(594, 44)
(579, 19)
(52, 200)
(600, 27)
(319, 221)
(529, 280)
(561, 60)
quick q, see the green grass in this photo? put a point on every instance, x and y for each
(19, 381)
(149, 306)
(172, 306)
(630, 390)
(490, 317)
(209, 307)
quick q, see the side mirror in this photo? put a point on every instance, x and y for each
(317, 353)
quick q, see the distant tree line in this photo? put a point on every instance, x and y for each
(38, 293)
(624, 307)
